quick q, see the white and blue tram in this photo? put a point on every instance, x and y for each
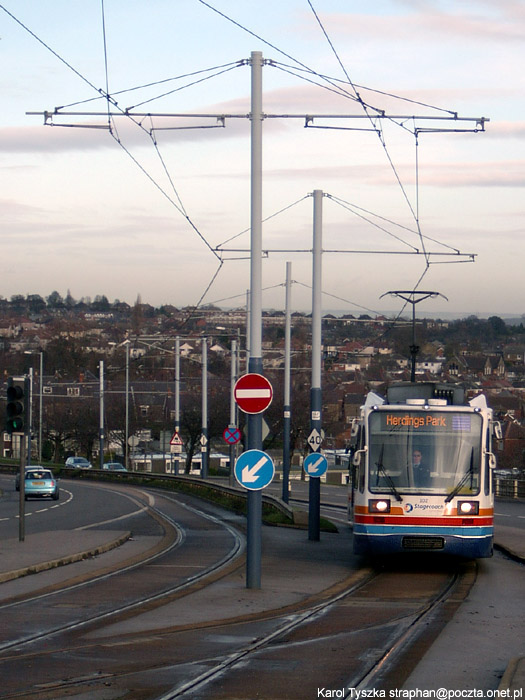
(421, 476)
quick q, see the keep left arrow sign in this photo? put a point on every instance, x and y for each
(249, 474)
(254, 469)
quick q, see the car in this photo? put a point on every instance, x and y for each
(17, 479)
(114, 467)
(78, 463)
(40, 482)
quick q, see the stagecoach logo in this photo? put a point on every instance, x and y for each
(410, 507)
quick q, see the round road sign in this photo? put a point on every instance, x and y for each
(254, 470)
(253, 393)
(315, 464)
(232, 435)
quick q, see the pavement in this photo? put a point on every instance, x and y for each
(43, 551)
(511, 541)
(40, 552)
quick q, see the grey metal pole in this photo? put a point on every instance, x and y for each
(233, 407)
(314, 518)
(248, 332)
(22, 501)
(413, 348)
(40, 407)
(30, 426)
(254, 498)
(177, 396)
(23, 461)
(101, 427)
(287, 408)
(126, 435)
(204, 437)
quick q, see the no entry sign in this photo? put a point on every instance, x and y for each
(253, 393)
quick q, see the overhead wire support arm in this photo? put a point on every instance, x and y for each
(266, 252)
(307, 118)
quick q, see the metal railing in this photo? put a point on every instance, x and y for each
(509, 487)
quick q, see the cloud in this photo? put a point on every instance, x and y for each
(37, 139)
(503, 22)
(506, 129)
(466, 174)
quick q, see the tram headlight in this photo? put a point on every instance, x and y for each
(468, 508)
(379, 505)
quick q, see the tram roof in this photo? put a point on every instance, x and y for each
(402, 391)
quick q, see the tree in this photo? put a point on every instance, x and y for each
(66, 356)
(137, 316)
(55, 301)
(101, 303)
(69, 301)
(35, 303)
(498, 325)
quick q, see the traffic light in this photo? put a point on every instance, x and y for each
(16, 401)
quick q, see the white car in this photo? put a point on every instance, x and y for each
(114, 467)
(78, 463)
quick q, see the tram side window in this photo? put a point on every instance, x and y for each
(488, 471)
(361, 462)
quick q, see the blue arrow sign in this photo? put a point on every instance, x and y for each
(315, 464)
(254, 469)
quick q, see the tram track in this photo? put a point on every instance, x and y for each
(390, 670)
(301, 630)
(175, 536)
(274, 634)
(190, 647)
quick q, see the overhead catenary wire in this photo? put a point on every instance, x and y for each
(364, 214)
(110, 99)
(295, 70)
(111, 127)
(105, 95)
(215, 69)
(357, 97)
(380, 134)
(106, 71)
(268, 218)
(353, 207)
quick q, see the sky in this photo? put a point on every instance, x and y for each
(156, 206)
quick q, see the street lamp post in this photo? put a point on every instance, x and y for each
(40, 401)
(126, 431)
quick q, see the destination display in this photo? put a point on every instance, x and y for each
(428, 421)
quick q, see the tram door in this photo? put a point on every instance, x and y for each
(356, 466)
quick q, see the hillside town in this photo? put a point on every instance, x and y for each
(65, 345)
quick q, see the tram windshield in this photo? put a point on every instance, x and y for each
(430, 451)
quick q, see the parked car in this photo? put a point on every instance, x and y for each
(114, 467)
(78, 463)
(40, 482)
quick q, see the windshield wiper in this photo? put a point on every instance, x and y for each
(381, 470)
(463, 480)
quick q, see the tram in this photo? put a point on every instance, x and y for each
(421, 474)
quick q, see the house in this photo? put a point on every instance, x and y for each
(430, 365)
(476, 365)
(511, 449)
